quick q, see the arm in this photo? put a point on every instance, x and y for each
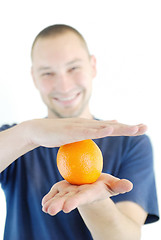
(104, 219)
(28, 135)
(13, 143)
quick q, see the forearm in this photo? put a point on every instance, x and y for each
(105, 221)
(13, 144)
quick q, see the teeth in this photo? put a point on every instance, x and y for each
(67, 98)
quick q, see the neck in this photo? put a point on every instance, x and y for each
(85, 114)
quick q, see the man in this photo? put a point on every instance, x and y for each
(63, 70)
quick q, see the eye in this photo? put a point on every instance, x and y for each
(46, 74)
(74, 68)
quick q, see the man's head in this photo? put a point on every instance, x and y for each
(57, 30)
(63, 69)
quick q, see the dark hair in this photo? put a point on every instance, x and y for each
(55, 30)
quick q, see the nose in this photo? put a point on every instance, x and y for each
(64, 83)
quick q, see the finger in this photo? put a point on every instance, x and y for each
(56, 188)
(142, 129)
(49, 195)
(113, 128)
(121, 186)
(120, 129)
(88, 133)
(74, 201)
(50, 201)
(89, 122)
(86, 194)
(115, 185)
(55, 205)
(93, 133)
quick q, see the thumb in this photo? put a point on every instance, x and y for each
(121, 186)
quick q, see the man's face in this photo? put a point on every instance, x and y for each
(63, 71)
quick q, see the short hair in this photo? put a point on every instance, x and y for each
(56, 30)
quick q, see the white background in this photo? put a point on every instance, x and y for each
(125, 37)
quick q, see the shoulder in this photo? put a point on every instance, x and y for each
(143, 140)
(139, 147)
(6, 126)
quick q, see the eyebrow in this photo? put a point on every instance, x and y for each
(44, 68)
(73, 61)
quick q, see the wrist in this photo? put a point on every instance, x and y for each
(28, 129)
(98, 205)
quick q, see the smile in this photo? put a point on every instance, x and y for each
(69, 100)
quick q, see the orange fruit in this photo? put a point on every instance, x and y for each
(80, 162)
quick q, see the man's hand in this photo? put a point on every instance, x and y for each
(66, 197)
(57, 132)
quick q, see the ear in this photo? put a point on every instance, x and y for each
(93, 65)
(33, 76)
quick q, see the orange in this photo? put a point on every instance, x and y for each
(80, 162)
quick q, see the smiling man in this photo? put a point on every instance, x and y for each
(63, 72)
(119, 202)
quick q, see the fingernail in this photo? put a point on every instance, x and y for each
(43, 209)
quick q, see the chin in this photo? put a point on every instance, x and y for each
(69, 115)
(66, 114)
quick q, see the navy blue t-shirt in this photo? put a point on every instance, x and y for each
(31, 176)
